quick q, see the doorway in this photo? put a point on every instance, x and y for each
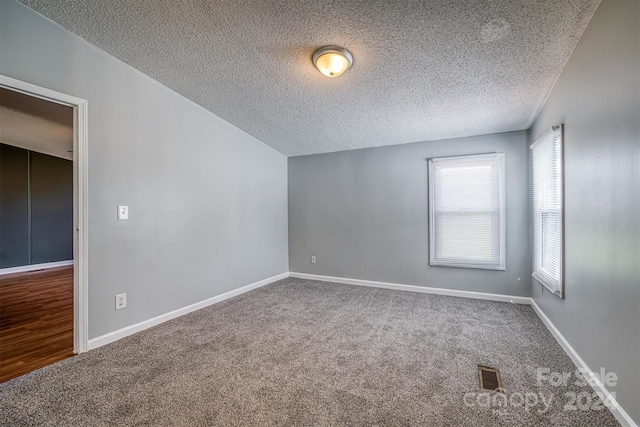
(43, 274)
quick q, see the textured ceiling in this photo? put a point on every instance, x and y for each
(35, 124)
(423, 70)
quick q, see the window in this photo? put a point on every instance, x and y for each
(466, 197)
(547, 201)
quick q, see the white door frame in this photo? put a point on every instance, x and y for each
(80, 202)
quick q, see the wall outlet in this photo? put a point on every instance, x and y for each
(121, 301)
(123, 213)
(313, 259)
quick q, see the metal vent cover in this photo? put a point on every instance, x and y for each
(490, 379)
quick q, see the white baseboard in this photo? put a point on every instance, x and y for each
(413, 288)
(618, 412)
(130, 330)
(34, 267)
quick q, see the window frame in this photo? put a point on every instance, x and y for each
(538, 272)
(501, 265)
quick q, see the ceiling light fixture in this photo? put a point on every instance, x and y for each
(332, 61)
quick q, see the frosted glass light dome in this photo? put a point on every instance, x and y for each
(332, 61)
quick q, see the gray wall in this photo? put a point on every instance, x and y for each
(598, 99)
(36, 208)
(363, 213)
(207, 202)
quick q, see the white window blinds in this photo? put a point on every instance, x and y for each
(466, 197)
(547, 204)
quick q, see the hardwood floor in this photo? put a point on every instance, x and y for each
(36, 320)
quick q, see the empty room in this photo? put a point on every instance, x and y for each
(36, 230)
(393, 213)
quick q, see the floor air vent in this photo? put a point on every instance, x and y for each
(490, 379)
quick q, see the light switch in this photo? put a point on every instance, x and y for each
(123, 213)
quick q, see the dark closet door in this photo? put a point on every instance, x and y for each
(51, 209)
(14, 206)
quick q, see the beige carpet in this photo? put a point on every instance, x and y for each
(300, 352)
